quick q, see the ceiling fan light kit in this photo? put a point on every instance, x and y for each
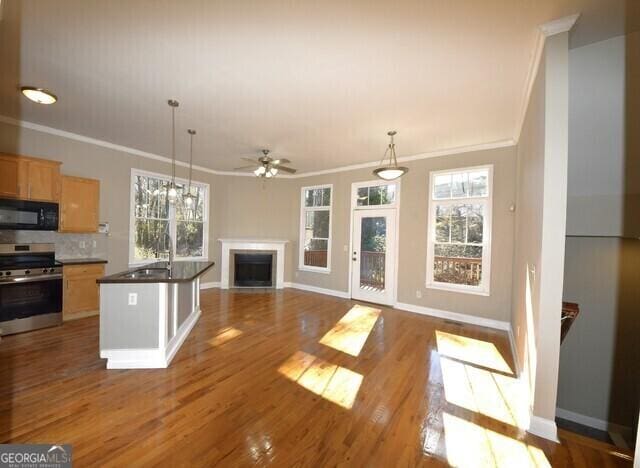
(266, 167)
(391, 170)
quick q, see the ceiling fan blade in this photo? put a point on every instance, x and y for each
(252, 161)
(280, 161)
(285, 169)
(243, 168)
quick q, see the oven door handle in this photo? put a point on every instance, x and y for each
(29, 279)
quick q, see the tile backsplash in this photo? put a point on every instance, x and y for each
(67, 245)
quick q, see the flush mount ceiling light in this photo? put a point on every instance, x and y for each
(39, 95)
(391, 170)
(172, 193)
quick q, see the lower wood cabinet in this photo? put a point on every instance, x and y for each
(81, 294)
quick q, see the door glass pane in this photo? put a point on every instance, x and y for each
(373, 247)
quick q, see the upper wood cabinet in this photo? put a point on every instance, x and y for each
(79, 204)
(29, 178)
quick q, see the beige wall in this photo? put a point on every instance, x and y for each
(540, 233)
(246, 207)
(599, 360)
(528, 230)
(113, 169)
(599, 374)
(413, 234)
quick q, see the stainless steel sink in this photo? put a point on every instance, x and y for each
(148, 273)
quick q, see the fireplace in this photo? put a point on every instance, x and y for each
(253, 270)
(231, 247)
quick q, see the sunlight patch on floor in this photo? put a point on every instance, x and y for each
(495, 395)
(332, 382)
(352, 330)
(471, 445)
(225, 335)
(481, 353)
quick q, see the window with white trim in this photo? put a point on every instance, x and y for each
(315, 228)
(155, 222)
(459, 235)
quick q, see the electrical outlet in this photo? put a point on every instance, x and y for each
(94, 243)
(83, 244)
(419, 294)
(133, 298)
(345, 248)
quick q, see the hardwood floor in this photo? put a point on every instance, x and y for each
(284, 379)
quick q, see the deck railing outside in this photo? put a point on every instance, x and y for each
(316, 258)
(458, 270)
(372, 268)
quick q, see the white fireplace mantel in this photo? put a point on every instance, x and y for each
(228, 245)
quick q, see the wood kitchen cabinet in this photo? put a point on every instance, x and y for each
(29, 178)
(79, 204)
(81, 294)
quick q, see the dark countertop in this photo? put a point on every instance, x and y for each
(80, 261)
(181, 272)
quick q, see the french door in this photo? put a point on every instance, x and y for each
(373, 255)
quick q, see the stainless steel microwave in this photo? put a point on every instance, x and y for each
(28, 215)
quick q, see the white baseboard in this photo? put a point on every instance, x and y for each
(455, 316)
(134, 358)
(315, 289)
(212, 284)
(595, 423)
(544, 428)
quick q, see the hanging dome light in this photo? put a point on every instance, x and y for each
(391, 170)
(189, 198)
(172, 193)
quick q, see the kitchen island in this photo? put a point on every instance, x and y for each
(146, 313)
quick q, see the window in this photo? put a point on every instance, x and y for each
(155, 222)
(458, 251)
(315, 228)
(376, 195)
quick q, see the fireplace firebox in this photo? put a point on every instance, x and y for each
(253, 270)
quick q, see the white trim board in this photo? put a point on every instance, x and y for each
(315, 289)
(210, 285)
(455, 316)
(136, 152)
(595, 423)
(544, 428)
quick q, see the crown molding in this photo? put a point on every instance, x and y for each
(430, 154)
(111, 146)
(545, 30)
(559, 25)
(157, 157)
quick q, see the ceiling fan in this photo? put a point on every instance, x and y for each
(265, 166)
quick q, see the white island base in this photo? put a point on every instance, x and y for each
(143, 325)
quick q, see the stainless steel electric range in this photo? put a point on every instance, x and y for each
(30, 287)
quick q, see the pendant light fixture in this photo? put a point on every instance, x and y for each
(189, 198)
(391, 170)
(172, 193)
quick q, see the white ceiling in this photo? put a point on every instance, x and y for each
(317, 82)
